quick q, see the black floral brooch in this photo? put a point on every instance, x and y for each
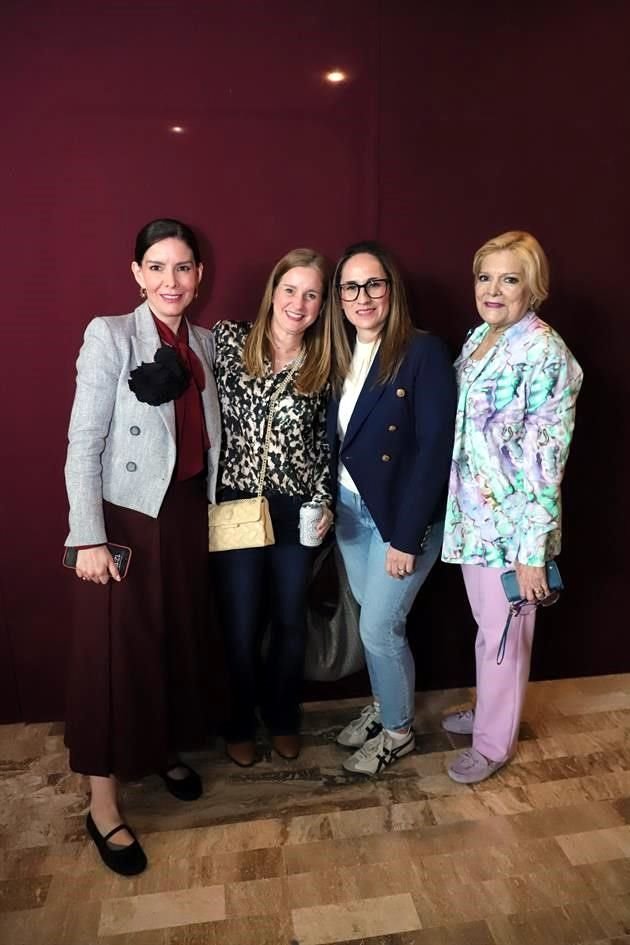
(159, 382)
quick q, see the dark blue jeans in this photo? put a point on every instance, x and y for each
(262, 592)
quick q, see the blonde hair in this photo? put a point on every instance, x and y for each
(314, 373)
(530, 253)
(398, 327)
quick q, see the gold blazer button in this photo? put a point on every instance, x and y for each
(401, 392)
(386, 457)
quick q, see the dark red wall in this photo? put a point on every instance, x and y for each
(458, 121)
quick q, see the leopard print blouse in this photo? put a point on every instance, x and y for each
(298, 463)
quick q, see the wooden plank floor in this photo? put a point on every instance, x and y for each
(300, 853)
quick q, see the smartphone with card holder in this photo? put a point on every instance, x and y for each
(120, 553)
(513, 591)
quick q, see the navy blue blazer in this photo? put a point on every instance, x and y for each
(399, 442)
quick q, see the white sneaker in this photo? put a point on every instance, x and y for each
(379, 752)
(357, 732)
(459, 723)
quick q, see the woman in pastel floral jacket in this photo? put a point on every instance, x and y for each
(518, 384)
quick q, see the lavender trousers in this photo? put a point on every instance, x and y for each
(500, 689)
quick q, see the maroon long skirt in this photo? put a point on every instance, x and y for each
(136, 680)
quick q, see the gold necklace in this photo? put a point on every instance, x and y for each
(279, 362)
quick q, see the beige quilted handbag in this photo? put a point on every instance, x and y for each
(242, 523)
(246, 523)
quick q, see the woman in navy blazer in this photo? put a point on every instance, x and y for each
(390, 427)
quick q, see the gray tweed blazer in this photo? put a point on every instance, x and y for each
(119, 449)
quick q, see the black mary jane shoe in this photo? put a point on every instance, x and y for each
(127, 861)
(189, 788)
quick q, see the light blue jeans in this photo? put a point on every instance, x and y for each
(385, 602)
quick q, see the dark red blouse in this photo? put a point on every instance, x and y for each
(190, 424)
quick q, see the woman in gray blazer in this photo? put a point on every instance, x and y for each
(144, 442)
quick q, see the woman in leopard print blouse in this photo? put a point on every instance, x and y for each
(267, 586)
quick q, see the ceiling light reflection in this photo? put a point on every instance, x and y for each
(336, 75)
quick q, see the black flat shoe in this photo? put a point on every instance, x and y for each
(189, 788)
(127, 861)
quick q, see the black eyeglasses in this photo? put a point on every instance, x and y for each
(374, 289)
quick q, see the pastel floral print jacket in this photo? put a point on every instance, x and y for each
(515, 418)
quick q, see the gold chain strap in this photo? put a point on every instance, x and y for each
(273, 401)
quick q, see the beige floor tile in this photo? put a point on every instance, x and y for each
(372, 880)
(607, 878)
(466, 805)
(203, 933)
(255, 897)
(464, 834)
(467, 933)
(162, 910)
(308, 857)
(316, 888)
(534, 891)
(611, 915)
(595, 845)
(411, 814)
(308, 828)
(360, 823)
(608, 701)
(570, 819)
(439, 902)
(317, 925)
(506, 800)
(507, 860)
(252, 930)
(599, 787)
(544, 927)
(67, 922)
(26, 862)
(237, 867)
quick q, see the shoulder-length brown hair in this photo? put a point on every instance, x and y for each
(315, 371)
(397, 330)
